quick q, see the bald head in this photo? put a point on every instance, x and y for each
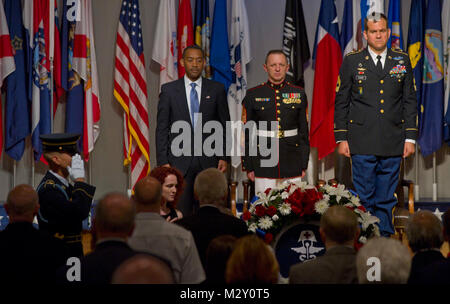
(211, 187)
(22, 203)
(340, 225)
(114, 216)
(424, 231)
(143, 269)
(147, 192)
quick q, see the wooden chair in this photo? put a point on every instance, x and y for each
(401, 212)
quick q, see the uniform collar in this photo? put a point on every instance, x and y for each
(276, 86)
(373, 55)
(63, 180)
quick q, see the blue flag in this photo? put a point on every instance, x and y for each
(431, 131)
(395, 24)
(71, 81)
(415, 49)
(17, 107)
(347, 27)
(220, 55)
(202, 35)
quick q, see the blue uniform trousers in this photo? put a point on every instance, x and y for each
(375, 179)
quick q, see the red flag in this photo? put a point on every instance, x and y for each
(328, 59)
(7, 65)
(185, 31)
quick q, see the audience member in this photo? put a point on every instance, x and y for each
(339, 230)
(424, 233)
(27, 255)
(252, 262)
(112, 225)
(383, 261)
(211, 190)
(217, 254)
(437, 272)
(143, 269)
(172, 187)
(155, 235)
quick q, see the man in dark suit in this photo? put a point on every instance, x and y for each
(27, 255)
(112, 225)
(339, 231)
(64, 206)
(375, 118)
(425, 238)
(179, 102)
(211, 190)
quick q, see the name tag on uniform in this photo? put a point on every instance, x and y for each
(361, 77)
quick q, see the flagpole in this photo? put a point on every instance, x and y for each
(51, 55)
(322, 169)
(434, 178)
(14, 173)
(416, 184)
(32, 168)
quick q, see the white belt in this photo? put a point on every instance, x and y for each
(278, 134)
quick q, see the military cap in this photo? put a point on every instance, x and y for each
(60, 142)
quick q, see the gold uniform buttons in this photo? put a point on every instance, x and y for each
(278, 104)
(278, 97)
(381, 81)
(262, 108)
(382, 101)
(381, 111)
(278, 118)
(278, 111)
(359, 81)
(381, 91)
(351, 121)
(277, 91)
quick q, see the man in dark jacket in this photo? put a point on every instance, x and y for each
(27, 255)
(211, 190)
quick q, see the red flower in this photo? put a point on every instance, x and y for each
(267, 191)
(296, 197)
(268, 238)
(362, 208)
(271, 211)
(246, 216)
(260, 210)
(296, 209)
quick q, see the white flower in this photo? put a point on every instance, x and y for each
(321, 206)
(363, 239)
(275, 217)
(300, 184)
(285, 209)
(252, 227)
(265, 222)
(285, 195)
(355, 201)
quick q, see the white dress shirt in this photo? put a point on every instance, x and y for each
(374, 56)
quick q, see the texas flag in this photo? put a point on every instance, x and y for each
(327, 58)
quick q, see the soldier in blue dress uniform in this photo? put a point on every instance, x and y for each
(376, 118)
(63, 205)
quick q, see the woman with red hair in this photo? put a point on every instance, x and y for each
(172, 187)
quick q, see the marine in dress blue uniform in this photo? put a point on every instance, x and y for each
(376, 119)
(277, 100)
(63, 206)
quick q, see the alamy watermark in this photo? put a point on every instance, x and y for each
(211, 139)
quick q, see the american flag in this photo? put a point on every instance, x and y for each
(130, 90)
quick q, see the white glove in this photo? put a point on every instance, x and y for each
(76, 170)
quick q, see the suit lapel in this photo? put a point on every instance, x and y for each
(369, 64)
(204, 94)
(181, 100)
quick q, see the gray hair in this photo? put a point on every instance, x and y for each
(424, 231)
(211, 187)
(394, 257)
